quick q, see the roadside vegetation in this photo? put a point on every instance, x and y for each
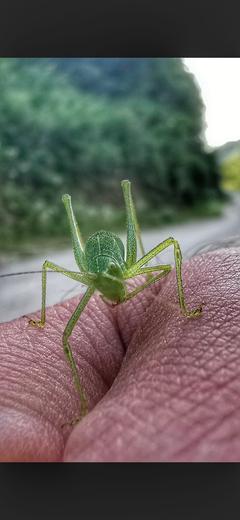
(81, 126)
(231, 173)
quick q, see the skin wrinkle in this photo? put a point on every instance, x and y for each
(169, 380)
(203, 377)
(48, 367)
(187, 418)
(25, 449)
(111, 358)
(212, 429)
(169, 404)
(37, 376)
(34, 411)
(96, 314)
(21, 406)
(19, 385)
(16, 388)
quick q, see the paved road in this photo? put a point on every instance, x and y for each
(22, 295)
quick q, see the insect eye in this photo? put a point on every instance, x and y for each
(112, 269)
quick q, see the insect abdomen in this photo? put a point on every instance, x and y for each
(102, 249)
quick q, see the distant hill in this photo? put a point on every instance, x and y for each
(228, 150)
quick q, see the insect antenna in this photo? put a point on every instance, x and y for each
(5, 275)
(22, 273)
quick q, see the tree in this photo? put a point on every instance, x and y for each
(82, 125)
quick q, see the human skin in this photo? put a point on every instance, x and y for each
(160, 387)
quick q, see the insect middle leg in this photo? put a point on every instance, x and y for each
(82, 278)
(135, 269)
(165, 269)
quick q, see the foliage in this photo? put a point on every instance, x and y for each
(231, 173)
(82, 125)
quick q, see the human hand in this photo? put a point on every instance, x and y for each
(174, 396)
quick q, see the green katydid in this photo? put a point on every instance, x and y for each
(104, 267)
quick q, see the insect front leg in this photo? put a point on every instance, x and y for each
(68, 351)
(136, 269)
(83, 278)
(40, 323)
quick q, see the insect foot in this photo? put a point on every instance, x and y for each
(72, 423)
(36, 323)
(196, 313)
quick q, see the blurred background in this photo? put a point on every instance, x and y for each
(80, 126)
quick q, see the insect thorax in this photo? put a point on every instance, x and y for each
(102, 250)
(104, 253)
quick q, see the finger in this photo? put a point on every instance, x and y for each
(176, 397)
(37, 395)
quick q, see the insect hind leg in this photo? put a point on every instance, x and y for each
(68, 351)
(133, 228)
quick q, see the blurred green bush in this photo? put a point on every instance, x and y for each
(82, 125)
(231, 173)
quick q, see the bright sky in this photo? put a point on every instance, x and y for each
(219, 81)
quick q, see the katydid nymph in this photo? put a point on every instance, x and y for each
(105, 266)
